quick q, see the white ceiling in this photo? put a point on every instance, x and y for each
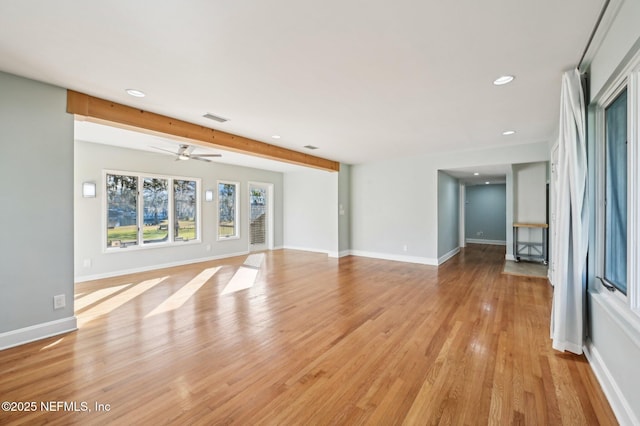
(493, 174)
(361, 80)
(108, 135)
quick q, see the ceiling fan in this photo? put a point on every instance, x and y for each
(185, 153)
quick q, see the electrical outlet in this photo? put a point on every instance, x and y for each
(479, 233)
(59, 301)
(405, 248)
(87, 263)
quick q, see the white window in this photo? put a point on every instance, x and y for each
(150, 211)
(228, 210)
(617, 213)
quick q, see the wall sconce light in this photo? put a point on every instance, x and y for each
(88, 189)
(208, 195)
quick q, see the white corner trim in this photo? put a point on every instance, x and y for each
(83, 278)
(509, 257)
(32, 333)
(395, 257)
(448, 256)
(489, 242)
(334, 254)
(620, 406)
(344, 253)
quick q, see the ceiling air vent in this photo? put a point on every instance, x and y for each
(311, 147)
(215, 118)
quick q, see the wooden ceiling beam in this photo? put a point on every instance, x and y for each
(102, 111)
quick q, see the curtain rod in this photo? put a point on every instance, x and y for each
(593, 32)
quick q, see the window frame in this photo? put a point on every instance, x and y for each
(141, 176)
(629, 78)
(236, 235)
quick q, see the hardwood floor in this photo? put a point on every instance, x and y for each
(314, 341)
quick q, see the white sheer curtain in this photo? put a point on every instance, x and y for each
(570, 240)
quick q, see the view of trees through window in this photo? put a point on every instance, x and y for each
(165, 215)
(184, 193)
(122, 210)
(227, 198)
(155, 197)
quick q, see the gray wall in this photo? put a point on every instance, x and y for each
(486, 213)
(344, 208)
(36, 203)
(614, 330)
(92, 159)
(311, 211)
(448, 213)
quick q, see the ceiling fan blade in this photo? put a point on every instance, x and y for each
(162, 149)
(206, 155)
(193, 157)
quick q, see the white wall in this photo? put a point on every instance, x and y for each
(311, 211)
(621, 38)
(92, 159)
(613, 330)
(394, 202)
(530, 189)
(36, 210)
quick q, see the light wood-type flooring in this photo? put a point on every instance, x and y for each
(315, 341)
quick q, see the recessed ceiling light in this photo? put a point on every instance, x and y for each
(508, 132)
(476, 174)
(487, 183)
(276, 136)
(311, 147)
(215, 118)
(136, 93)
(503, 79)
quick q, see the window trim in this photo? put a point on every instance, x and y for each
(140, 176)
(628, 78)
(236, 235)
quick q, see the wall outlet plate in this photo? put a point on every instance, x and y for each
(59, 301)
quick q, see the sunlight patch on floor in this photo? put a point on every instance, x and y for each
(50, 345)
(243, 279)
(118, 300)
(254, 260)
(177, 299)
(95, 296)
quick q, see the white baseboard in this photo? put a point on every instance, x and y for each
(397, 258)
(509, 257)
(489, 242)
(83, 278)
(448, 256)
(619, 404)
(311, 249)
(344, 253)
(32, 333)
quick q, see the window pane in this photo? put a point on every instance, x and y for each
(615, 265)
(227, 210)
(122, 211)
(155, 198)
(184, 195)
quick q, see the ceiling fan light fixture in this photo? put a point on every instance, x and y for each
(183, 157)
(503, 79)
(135, 92)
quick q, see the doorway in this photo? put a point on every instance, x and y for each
(260, 216)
